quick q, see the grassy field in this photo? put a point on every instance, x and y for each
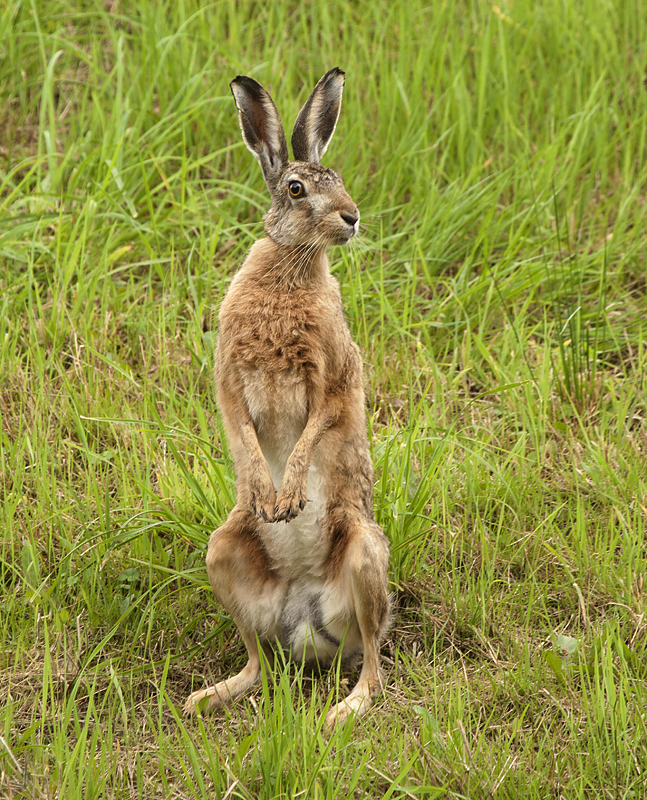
(499, 156)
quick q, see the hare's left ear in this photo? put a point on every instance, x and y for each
(261, 126)
(316, 122)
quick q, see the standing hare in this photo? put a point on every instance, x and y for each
(300, 559)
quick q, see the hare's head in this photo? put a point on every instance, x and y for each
(310, 205)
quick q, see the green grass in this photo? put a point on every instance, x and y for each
(499, 155)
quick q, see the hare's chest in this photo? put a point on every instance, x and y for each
(276, 364)
(276, 349)
(276, 401)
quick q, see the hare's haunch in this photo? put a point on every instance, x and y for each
(300, 559)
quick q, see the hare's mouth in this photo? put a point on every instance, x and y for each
(343, 237)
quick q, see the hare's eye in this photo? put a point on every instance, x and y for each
(296, 189)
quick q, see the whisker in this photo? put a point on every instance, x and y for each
(302, 265)
(286, 263)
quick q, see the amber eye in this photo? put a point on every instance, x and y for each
(296, 189)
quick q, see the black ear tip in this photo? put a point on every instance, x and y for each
(248, 84)
(334, 77)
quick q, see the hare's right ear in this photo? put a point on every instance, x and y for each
(261, 126)
(316, 122)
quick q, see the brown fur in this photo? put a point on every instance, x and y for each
(300, 559)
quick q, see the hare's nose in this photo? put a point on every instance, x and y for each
(350, 218)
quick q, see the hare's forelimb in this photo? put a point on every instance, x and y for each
(291, 499)
(255, 485)
(261, 491)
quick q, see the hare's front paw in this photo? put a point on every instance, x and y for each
(291, 499)
(262, 497)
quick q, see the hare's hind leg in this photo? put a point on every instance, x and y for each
(245, 584)
(362, 560)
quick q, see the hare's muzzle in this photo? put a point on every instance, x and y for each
(350, 217)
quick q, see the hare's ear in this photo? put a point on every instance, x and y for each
(261, 126)
(316, 122)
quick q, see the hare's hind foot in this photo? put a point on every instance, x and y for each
(205, 701)
(338, 714)
(358, 701)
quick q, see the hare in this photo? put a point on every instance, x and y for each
(300, 559)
